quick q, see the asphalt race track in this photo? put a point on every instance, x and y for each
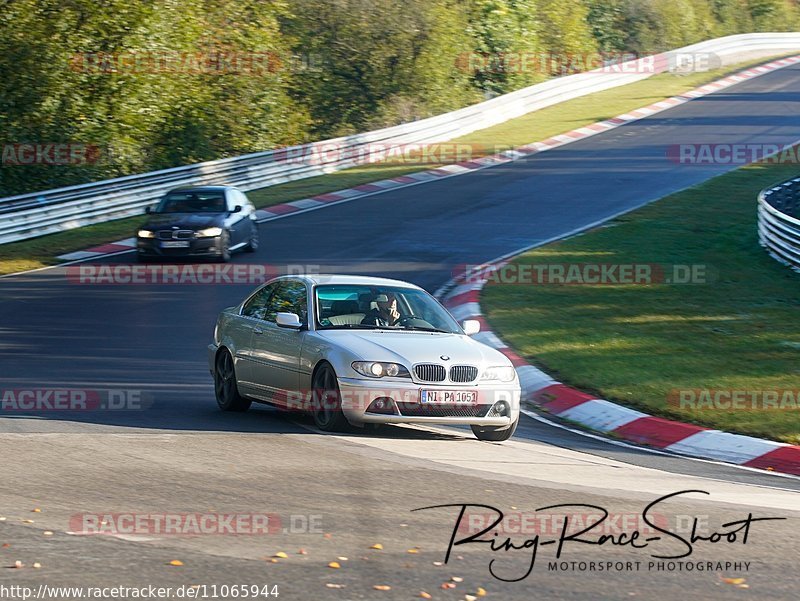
(180, 455)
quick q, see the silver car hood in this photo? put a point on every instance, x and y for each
(414, 347)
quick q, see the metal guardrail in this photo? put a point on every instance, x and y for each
(779, 222)
(30, 215)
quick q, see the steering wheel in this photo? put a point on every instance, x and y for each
(403, 321)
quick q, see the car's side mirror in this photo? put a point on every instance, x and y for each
(288, 320)
(148, 210)
(471, 326)
(237, 209)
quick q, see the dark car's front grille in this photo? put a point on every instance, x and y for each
(175, 234)
(463, 373)
(448, 410)
(430, 372)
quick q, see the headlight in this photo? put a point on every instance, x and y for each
(209, 232)
(145, 234)
(378, 369)
(499, 374)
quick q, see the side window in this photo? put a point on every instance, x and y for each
(256, 306)
(289, 298)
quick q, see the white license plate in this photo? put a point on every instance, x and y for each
(175, 244)
(451, 397)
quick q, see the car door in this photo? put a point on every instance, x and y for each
(242, 329)
(276, 350)
(239, 223)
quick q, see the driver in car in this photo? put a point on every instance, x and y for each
(386, 314)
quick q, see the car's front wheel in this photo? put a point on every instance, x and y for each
(326, 406)
(495, 433)
(225, 389)
(252, 243)
(225, 246)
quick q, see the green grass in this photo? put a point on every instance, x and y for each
(535, 126)
(635, 344)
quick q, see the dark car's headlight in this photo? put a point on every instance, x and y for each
(209, 232)
(379, 369)
(145, 234)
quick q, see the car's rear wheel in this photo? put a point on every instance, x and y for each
(225, 389)
(495, 433)
(326, 406)
(252, 244)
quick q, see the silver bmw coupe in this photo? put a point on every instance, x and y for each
(354, 350)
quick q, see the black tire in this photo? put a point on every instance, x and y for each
(252, 245)
(225, 389)
(326, 404)
(495, 433)
(225, 246)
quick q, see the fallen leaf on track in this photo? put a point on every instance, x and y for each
(176, 562)
(47, 533)
(735, 581)
(382, 587)
(456, 579)
(37, 565)
(334, 564)
(425, 595)
(481, 592)
(332, 585)
(281, 554)
(377, 546)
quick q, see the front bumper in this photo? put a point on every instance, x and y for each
(358, 394)
(198, 247)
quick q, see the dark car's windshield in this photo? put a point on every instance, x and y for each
(204, 201)
(357, 307)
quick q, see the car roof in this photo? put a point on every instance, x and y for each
(200, 188)
(342, 279)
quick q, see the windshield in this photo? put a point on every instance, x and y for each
(380, 307)
(205, 201)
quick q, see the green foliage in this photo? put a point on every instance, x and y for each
(327, 67)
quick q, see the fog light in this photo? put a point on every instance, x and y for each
(501, 409)
(383, 405)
